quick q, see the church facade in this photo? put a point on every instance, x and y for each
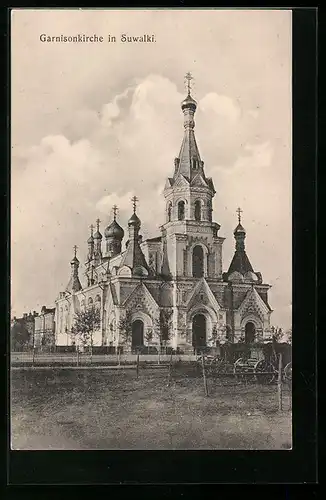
(175, 279)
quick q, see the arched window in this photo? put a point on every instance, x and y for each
(90, 302)
(250, 331)
(181, 210)
(198, 262)
(198, 210)
(98, 301)
(169, 211)
(61, 319)
(210, 210)
(66, 318)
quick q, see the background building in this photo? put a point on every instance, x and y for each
(22, 331)
(45, 327)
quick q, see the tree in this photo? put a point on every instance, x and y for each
(85, 324)
(19, 336)
(148, 337)
(277, 333)
(163, 325)
(125, 328)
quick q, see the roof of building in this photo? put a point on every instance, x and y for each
(240, 263)
(74, 284)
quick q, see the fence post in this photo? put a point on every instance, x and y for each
(204, 374)
(33, 357)
(77, 355)
(137, 366)
(170, 368)
(119, 356)
(279, 383)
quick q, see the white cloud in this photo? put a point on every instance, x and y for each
(259, 155)
(221, 105)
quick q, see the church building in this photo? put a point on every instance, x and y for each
(175, 279)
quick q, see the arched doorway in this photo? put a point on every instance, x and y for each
(250, 331)
(137, 337)
(198, 262)
(199, 331)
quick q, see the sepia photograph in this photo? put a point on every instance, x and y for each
(151, 229)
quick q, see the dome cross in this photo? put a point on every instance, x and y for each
(188, 78)
(239, 212)
(134, 201)
(114, 210)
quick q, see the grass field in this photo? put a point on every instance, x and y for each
(106, 409)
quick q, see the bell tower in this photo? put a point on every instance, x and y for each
(188, 213)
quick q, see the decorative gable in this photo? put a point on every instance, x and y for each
(142, 299)
(198, 181)
(181, 181)
(253, 304)
(202, 294)
(168, 183)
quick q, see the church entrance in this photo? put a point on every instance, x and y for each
(250, 331)
(199, 332)
(137, 337)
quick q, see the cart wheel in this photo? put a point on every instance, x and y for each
(265, 372)
(237, 368)
(288, 372)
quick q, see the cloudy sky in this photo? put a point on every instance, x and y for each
(93, 124)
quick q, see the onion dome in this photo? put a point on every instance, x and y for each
(189, 102)
(97, 235)
(90, 239)
(113, 230)
(134, 220)
(74, 260)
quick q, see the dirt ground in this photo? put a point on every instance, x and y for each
(105, 409)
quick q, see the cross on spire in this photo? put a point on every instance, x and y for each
(98, 224)
(134, 200)
(239, 212)
(75, 248)
(188, 78)
(114, 210)
(92, 229)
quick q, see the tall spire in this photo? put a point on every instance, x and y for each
(240, 261)
(133, 256)
(74, 283)
(189, 162)
(97, 243)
